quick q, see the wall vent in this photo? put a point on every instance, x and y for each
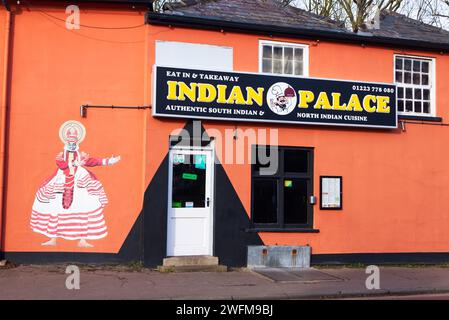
(279, 256)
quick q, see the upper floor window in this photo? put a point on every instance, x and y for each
(283, 58)
(414, 77)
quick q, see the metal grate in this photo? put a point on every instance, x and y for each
(295, 275)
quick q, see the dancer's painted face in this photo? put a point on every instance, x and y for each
(71, 146)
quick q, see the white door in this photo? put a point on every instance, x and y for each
(190, 205)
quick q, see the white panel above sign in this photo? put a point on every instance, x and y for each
(194, 56)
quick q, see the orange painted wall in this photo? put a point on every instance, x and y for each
(54, 71)
(396, 184)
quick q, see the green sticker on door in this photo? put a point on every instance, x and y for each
(189, 176)
(176, 204)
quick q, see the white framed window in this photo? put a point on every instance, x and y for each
(415, 80)
(283, 58)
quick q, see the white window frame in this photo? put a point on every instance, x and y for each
(293, 45)
(432, 79)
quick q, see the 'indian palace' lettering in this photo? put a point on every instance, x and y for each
(249, 96)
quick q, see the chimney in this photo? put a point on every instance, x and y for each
(373, 22)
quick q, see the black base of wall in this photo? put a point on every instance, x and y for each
(62, 257)
(316, 259)
(381, 258)
(131, 250)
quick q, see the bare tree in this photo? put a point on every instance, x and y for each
(359, 11)
(353, 13)
(326, 8)
(442, 11)
(357, 14)
(434, 12)
(158, 5)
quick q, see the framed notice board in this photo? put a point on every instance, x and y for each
(331, 193)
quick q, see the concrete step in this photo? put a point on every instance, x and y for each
(193, 268)
(185, 261)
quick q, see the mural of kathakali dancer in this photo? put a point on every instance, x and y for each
(69, 204)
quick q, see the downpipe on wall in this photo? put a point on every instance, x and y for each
(3, 122)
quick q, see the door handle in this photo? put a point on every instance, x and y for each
(312, 200)
(207, 201)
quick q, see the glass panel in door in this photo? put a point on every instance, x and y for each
(189, 180)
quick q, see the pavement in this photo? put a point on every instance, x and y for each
(126, 282)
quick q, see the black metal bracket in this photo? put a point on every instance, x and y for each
(84, 107)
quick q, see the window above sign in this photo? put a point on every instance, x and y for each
(283, 58)
(415, 80)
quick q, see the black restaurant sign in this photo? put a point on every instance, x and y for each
(236, 96)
